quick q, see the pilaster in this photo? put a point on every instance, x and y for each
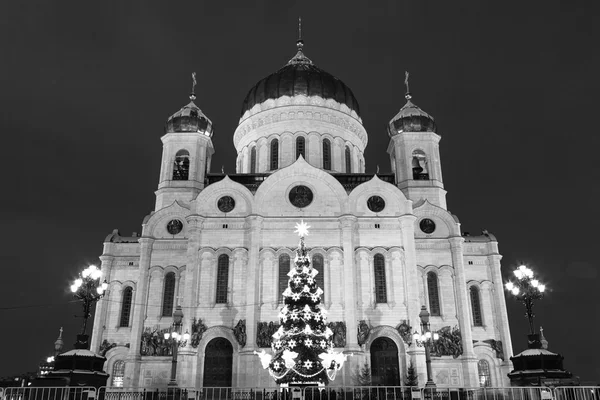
(350, 301)
(469, 360)
(101, 305)
(407, 227)
(187, 366)
(500, 301)
(132, 366)
(247, 362)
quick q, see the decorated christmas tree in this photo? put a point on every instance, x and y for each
(303, 346)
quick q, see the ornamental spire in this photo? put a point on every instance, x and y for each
(193, 93)
(300, 58)
(58, 345)
(407, 96)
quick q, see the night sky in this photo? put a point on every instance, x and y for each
(86, 89)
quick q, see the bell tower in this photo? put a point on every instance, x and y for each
(415, 154)
(186, 156)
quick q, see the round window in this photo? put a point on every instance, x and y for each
(427, 225)
(226, 204)
(174, 226)
(301, 196)
(376, 203)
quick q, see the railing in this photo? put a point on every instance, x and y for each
(306, 393)
(577, 393)
(49, 393)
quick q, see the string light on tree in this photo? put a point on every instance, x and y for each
(303, 345)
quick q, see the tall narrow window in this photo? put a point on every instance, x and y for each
(274, 154)
(476, 306)
(318, 264)
(118, 373)
(380, 289)
(168, 295)
(253, 160)
(181, 166)
(326, 154)
(301, 147)
(222, 278)
(284, 269)
(484, 373)
(348, 160)
(126, 306)
(432, 289)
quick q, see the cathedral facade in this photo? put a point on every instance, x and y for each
(218, 248)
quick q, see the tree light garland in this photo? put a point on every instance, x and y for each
(302, 346)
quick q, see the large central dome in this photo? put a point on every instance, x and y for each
(300, 77)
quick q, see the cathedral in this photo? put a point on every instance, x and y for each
(216, 251)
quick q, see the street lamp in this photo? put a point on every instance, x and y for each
(89, 290)
(177, 340)
(526, 289)
(427, 338)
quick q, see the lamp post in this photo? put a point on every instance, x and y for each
(427, 338)
(177, 340)
(89, 290)
(526, 289)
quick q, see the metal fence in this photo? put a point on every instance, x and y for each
(49, 393)
(306, 393)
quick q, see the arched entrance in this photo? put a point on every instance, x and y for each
(385, 370)
(218, 359)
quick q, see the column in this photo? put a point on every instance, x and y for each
(469, 360)
(101, 305)
(351, 298)
(133, 364)
(500, 301)
(186, 367)
(249, 361)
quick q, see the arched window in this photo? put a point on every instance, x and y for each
(476, 306)
(348, 160)
(434, 298)
(419, 165)
(318, 264)
(326, 154)
(380, 289)
(126, 306)
(284, 269)
(118, 373)
(168, 295)
(222, 278)
(484, 373)
(300, 147)
(274, 154)
(181, 166)
(253, 160)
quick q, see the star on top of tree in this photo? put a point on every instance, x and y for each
(302, 229)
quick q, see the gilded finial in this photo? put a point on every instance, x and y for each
(299, 42)
(407, 95)
(193, 94)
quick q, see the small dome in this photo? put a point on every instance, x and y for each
(411, 118)
(300, 77)
(189, 119)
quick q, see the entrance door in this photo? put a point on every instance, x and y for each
(218, 359)
(384, 363)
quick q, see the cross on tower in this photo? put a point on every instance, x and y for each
(193, 94)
